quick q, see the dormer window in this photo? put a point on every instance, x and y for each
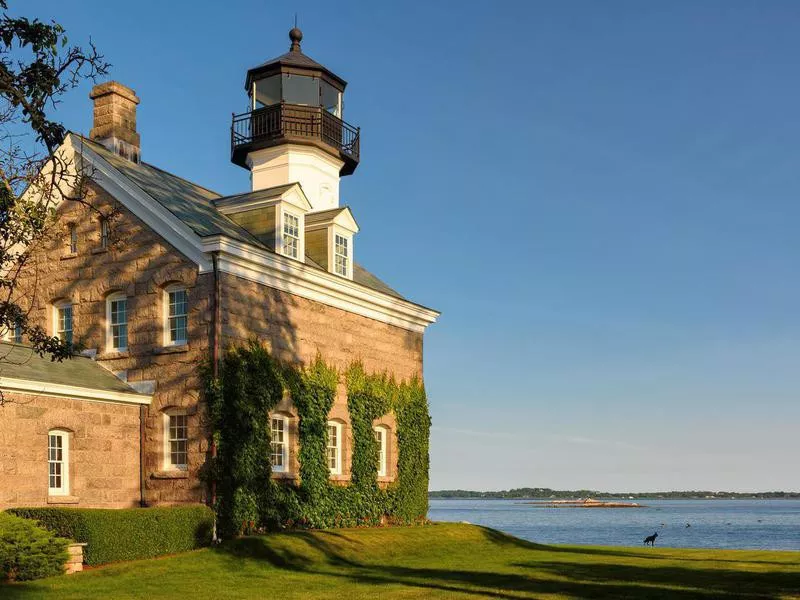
(329, 240)
(291, 235)
(341, 253)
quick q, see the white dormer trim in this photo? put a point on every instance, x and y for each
(285, 209)
(293, 196)
(333, 265)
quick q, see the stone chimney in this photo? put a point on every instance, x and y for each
(115, 119)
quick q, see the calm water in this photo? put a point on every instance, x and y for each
(757, 524)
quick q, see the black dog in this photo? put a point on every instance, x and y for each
(651, 539)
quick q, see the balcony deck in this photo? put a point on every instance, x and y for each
(282, 123)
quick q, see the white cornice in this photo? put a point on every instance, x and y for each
(299, 279)
(26, 386)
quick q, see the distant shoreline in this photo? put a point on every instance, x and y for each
(547, 494)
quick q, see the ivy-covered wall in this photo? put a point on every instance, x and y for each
(250, 385)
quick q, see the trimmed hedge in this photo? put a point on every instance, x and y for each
(127, 534)
(29, 552)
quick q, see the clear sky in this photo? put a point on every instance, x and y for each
(601, 198)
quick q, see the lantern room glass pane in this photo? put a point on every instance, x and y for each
(299, 89)
(268, 91)
(331, 99)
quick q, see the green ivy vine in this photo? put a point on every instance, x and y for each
(250, 384)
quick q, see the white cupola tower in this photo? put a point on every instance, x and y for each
(294, 131)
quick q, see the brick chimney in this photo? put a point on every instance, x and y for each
(115, 119)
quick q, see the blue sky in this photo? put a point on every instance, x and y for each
(601, 198)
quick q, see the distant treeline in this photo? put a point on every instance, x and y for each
(569, 494)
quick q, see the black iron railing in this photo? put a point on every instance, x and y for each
(294, 120)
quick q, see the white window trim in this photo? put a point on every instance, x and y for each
(11, 334)
(64, 489)
(109, 332)
(165, 315)
(333, 232)
(285, 467)
(167, 462)
(338, 426)
(383, 456)
(300, 234)
(61, 304)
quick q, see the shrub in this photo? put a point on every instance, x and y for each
(127, 534)
(29, 552)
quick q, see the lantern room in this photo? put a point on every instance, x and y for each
(295, 100)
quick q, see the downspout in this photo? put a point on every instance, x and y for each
(216, 329)
(142, 421)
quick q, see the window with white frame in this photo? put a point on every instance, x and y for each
(291, 234)
(279, 454)
(14, 334)
(341, 255)
(176, 441)
(381, 436)
(117, 319)
(62, 319)
(73, 238)
(58, 462)
(176, 318)
(334, 448)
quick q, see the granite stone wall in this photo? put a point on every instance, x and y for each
(103, 452)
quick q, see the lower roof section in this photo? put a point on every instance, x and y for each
(23, 371)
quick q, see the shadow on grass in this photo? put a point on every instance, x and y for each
(527, 579)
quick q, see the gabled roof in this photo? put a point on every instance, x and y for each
(195, 206)
(289, 192)
(341, 215)
(25, 371)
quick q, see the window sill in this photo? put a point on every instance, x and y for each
(99, 250)
(171, 349)
(170, 475)
(339, 477)
(113, 354)
(69, 256)
(62, 499)
(283, 475)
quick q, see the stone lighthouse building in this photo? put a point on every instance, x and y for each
(156, 275)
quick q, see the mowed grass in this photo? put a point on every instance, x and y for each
(436, 561)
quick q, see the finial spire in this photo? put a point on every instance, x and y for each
(295, 35)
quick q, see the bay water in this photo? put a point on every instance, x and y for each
(742, 523)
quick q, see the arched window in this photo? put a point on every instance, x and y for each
(62, 320)
(58, 462)
(176, 316)
(73, 238)
(103, 232)
(117, 322)
(382, 437)
(334, 447)
(279, 451)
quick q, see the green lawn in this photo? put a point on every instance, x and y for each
(442, 560)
